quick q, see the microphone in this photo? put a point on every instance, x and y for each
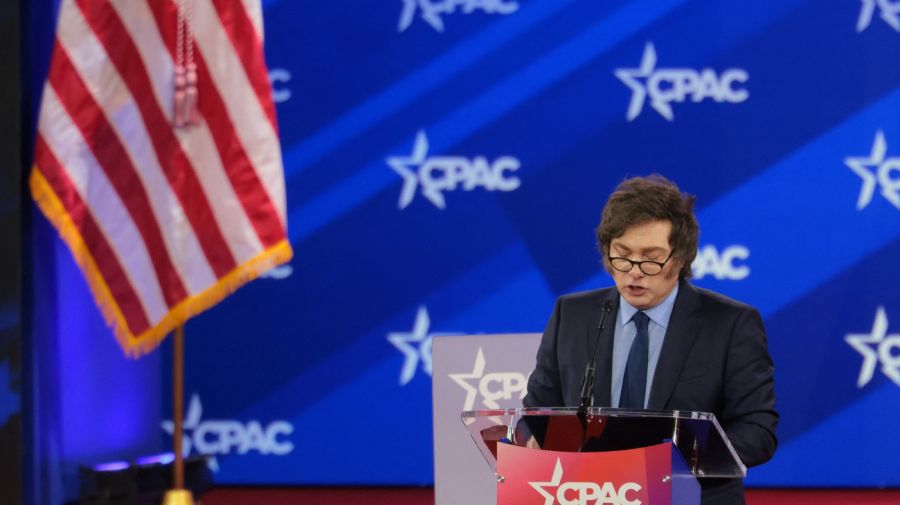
(587, 383)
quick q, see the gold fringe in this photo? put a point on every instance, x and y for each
(53, 208)
(138, 345)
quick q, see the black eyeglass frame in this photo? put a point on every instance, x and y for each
(640, 264)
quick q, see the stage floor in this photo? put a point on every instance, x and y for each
(425, 496)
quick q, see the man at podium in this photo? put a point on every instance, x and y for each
(661, 343)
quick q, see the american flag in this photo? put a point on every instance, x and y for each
(164, 221)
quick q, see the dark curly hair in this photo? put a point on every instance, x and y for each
(654, 198)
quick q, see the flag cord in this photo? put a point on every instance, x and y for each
(186, 109)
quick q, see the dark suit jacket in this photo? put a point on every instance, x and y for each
(714, 359)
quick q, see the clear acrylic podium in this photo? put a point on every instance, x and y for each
(602, 455)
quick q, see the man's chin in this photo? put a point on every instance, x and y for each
(640, 302)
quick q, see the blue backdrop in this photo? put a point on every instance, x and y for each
(447, 161)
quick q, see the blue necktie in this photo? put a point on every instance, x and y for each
(635, 383)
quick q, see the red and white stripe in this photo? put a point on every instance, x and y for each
(166, 221)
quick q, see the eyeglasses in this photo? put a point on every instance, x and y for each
(647, 267)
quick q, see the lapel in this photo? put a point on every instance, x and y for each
(684, 325)
(603, 370)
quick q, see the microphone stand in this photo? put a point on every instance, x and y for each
(587, 383)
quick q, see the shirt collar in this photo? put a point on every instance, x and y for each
(659, 314)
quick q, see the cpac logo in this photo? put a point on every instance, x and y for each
(432, 10)
(667, 85)
(492, 387)
(877, 347)
(415, 346)
(890, 13)
(876, 169)
(583, 493)
(219, 437)
(278, 273)
(722, 266)
(444, 173)
(280, 75)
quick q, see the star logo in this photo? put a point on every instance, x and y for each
(876, 169)
(437, 174)
(433, 9)
(403, 165)
(429, 14)
(877, 347)
(472, 391)
(633, 77)
(890, 13)
(670, 85)
(191, 422)
(415, 346)
(549, 498)
(493, 387)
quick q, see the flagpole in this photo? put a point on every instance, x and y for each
(178, 495)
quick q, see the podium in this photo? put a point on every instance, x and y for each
(601, 456)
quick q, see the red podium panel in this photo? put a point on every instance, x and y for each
(640, 476)
(601, 456)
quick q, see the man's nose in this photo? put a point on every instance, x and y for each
(635, 271)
